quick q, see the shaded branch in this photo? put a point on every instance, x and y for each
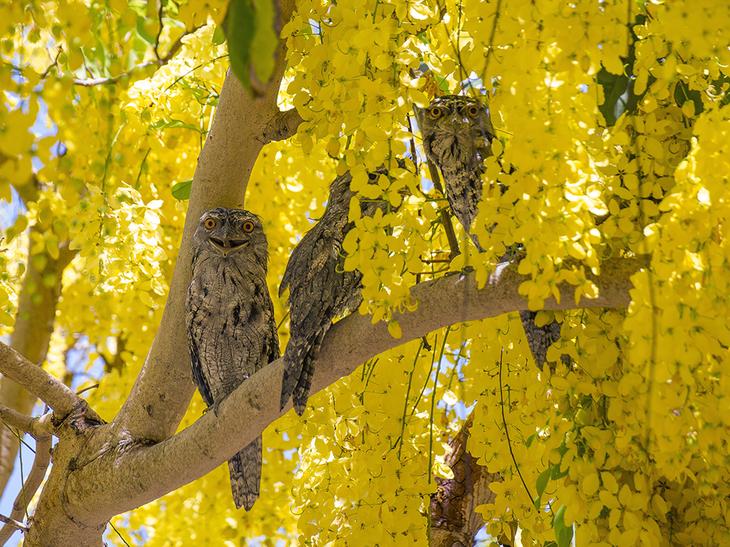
(143, 474)
(445, 217)
(34, 323)
(37, 381)
(32, 483)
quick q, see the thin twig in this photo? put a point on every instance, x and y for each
(491, 42)
(445, 218)
(119, 534)
(399, 441)
(87, 388)
(506, 431)
(433, 405)
(13, 523)
(160, 12)
(176, 45)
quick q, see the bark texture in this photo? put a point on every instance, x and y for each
(454, 523)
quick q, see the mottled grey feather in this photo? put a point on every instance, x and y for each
(230, 322)
(319, 289)
(457, 135)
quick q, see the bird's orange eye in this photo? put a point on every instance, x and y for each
(435, 112)
(248, 226)
(473, 111)
(210, 223)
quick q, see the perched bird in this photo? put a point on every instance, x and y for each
(457, 136)
(230, 322)
(319, 288)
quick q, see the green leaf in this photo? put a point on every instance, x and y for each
(219, 36)
(181, 190)
(563, 533)
(146, 36)
(442, 83)
(165, 123)
(239, 26)
(265, 40)
(252, 39)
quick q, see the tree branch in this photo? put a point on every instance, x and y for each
(453, 518)
(282, 125)
(164, 387)
(143, 474)
(14, 523)
(48, 389)
(34, 323)
(158, 62)
(34, 480)
(27, 424)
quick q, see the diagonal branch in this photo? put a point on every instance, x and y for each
(164, 387)
(34, 480)
(48, 389)
(143, 474)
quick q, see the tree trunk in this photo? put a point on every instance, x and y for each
(31, 336)
(454, 522)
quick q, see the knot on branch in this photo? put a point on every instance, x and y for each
(81, 419)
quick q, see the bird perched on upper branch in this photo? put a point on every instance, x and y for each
(457, 136)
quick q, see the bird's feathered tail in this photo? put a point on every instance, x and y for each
(299, 369)
(245, 471)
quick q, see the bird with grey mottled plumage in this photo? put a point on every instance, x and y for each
(320, 289)
(457, 136)
(230, 322)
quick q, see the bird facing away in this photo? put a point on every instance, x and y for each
(319, 288)
(457, 136)
(230, 322)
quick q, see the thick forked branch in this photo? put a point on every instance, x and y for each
(164, 386)
(48, 389)
(144, 474)
(454, 520)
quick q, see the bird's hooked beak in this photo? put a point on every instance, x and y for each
(226, 245)
(456, 124)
